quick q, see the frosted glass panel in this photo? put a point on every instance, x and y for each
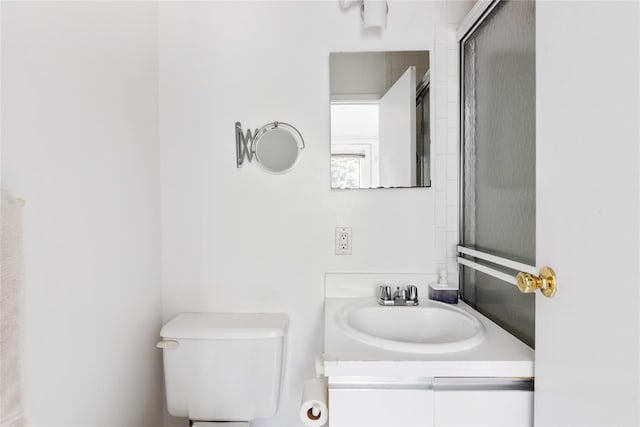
(499, 158)
(501, 302)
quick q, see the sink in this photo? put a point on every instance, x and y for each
(429, 328)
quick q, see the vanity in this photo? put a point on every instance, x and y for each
(432, 364)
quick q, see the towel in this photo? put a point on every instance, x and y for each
(11, 313)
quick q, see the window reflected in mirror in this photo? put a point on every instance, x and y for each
(354, 145)
(380, 120)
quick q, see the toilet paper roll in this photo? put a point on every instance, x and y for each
(313, 409)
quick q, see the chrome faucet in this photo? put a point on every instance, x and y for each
(404, 296)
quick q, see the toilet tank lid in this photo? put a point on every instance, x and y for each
(226, 326)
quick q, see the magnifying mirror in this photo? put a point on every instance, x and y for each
(276, 146)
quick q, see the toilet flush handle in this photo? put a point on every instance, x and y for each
(167, 344)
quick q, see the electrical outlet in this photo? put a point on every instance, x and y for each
(343, 241)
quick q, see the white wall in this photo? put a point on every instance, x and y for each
(80, 145)
(79, 142)
(244, 240)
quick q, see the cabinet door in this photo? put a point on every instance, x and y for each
(380, 407)
(511, 408)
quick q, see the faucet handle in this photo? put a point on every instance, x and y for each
(412, 293)
(385, 293)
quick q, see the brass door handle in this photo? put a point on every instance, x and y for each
(545, 281)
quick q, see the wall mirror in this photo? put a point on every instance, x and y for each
(275, 146)
(380, 119)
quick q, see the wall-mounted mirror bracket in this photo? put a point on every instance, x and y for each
(243, 145)
(275, 146)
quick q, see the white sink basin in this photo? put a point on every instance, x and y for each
(429, 328)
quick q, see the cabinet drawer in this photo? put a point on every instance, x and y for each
(513, 408)
(380, 407)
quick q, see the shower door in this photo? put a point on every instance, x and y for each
(498, 203)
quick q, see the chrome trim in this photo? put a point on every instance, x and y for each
(460, 161)
(407, 296)
(436, 384)
(475, 17)
(378, 383)
(483, 384)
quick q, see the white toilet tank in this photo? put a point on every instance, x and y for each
(224, 366)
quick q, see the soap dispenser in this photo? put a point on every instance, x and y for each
(443, 291)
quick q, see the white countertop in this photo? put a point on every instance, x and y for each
(499, 355)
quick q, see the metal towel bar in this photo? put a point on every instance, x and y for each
(514, 265)
(527, 280)
(488, 270)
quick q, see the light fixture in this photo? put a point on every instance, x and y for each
(373, 12)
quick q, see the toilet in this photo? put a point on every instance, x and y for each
(224, 368)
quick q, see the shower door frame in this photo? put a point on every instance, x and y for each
(475, 18)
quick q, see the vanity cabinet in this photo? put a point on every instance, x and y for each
(372, 383)
(432, 402)
(369, 407)
(513, 408)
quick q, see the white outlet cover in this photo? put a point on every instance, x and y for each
(343, 241)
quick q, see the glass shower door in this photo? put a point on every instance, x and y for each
(498, 160)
